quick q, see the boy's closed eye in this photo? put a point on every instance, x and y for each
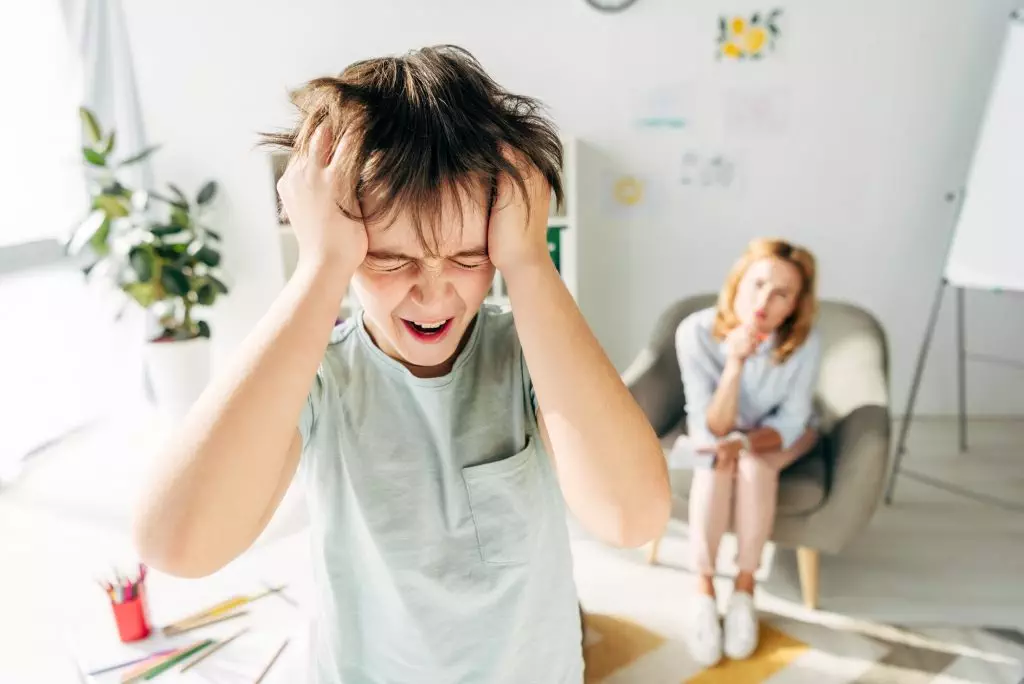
(391, 263)
(387, 265)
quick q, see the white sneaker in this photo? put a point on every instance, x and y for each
(705, 631)
(741, 631)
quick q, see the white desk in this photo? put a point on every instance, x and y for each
(68, 517)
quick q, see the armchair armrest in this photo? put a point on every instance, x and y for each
(860, 450)
(853, 392)
(657, 387)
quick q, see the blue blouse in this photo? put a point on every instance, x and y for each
(779, 396)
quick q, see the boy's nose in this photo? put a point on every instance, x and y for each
(430, 288)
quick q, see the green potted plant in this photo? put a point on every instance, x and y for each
(159, 253)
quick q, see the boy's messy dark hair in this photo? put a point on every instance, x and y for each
(424, 126)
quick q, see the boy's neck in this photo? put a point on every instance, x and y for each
(427, 371)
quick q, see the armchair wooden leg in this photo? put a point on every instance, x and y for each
(652, 550)
(807, 562)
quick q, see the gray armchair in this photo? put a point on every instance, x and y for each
(827, 497)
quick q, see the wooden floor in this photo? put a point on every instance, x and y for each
(935, 556)
(932, 557)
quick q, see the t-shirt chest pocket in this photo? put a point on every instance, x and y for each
(506, 501)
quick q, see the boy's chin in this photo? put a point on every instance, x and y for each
(430, 354)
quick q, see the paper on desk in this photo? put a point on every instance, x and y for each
(269, 621)
(240, 661)
(684, 456)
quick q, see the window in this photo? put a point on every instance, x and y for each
(58, 361)
(41, 182)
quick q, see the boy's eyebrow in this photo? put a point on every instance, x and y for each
(392, 255)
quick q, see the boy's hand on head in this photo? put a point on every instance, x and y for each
(518, 225)
(313, 190)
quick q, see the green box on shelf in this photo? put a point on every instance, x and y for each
(555, 246)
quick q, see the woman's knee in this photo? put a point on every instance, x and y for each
(709, 483)
(760, 466)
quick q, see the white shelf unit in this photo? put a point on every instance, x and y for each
(563, 219)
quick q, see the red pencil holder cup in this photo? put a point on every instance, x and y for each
(132, 618)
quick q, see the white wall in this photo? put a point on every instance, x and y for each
(884, 101)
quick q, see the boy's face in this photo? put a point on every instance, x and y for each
(418, 308)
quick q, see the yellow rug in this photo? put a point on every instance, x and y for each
(618, 650)
(615, 642)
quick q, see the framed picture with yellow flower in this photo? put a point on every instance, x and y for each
(748, 37)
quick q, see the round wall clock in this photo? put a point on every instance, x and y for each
(610, 5)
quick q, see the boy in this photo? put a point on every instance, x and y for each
(439, 439)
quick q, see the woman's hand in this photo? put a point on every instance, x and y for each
(727, 454)
(313, 190)
(741, 342)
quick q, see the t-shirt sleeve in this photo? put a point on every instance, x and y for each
(528, 390)
(700, 377)
(311, 409)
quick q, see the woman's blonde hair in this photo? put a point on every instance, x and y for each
(795, 329)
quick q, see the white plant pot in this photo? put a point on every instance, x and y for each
(178, 373)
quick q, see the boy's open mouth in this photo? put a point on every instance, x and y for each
(428, 331)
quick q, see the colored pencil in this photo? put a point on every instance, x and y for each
(170, 662)
(111, 668)
(179, 628)
(213, 649)
(279, 592)
(163, 667)
(123, 588)
(149, 663)
(271, 663)
(225, 606)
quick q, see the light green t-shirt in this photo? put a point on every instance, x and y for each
(441, 550)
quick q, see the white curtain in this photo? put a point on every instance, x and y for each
(99, 36)
(65, 362)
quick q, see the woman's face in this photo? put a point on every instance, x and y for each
(767, 294)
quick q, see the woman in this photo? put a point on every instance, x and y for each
(749, 368)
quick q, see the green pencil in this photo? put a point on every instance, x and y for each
(170, 662)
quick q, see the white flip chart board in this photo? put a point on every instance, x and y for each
(988, 247)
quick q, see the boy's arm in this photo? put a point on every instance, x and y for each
(218, 482)
(610, 464)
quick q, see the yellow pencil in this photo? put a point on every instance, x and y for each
(225, 606)
(179, 628)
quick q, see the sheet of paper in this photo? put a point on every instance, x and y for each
(684, 456)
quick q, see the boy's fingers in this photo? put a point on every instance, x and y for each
(532, 177)
(338, 152)
(309, 162)
(344, 187)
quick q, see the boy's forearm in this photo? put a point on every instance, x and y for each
(610, 464)
(225, 464)
(724, 406)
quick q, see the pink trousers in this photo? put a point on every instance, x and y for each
(748, 498)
